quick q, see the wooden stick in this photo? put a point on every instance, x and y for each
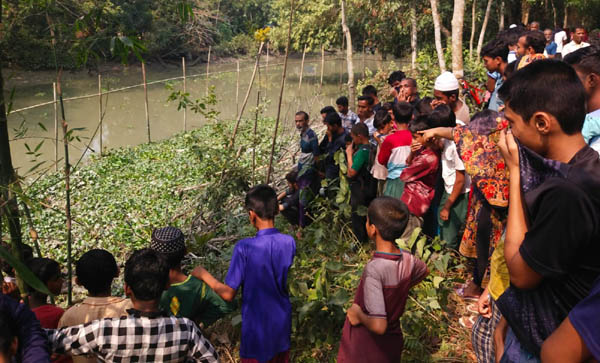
(146, 100)
(55, 127)
(239, 117)
(208, 67)
(287, 51)
(237, 88)
(65, 128)
(100, 109)
(184, 90)
(302, 67)
(267, 65)
(364, 67)
(322, 67)
(255, 130)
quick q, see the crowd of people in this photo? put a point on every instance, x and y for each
(514, 188)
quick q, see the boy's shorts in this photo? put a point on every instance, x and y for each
(283, 357)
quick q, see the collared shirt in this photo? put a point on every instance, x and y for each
(495, 101)
(260, 265)
(591, 126)
(572, 46)
(348, 120)
(136, 337)
(332, 170)
(309, 148)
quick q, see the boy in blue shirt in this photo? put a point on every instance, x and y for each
(260, 264)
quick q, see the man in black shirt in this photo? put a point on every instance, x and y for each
(551, 245)
(334, 140)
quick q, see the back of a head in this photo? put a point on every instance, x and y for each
(423, 107)
(547, 86)
(369, 91)
(421, 123)
(585, 60)
(170, 242)
(342, 101)
(442, 116)
(396, 76)
(536, 40)
(292, 177)
(496, 48)
(390, 216)
(96, 270)
(333, 119)
(360, 129)
(262, 200)
(511, 36)
(147, 274)
(382, 118)
(8, 334)
(403, 112)
(44, 269)
(327, 110)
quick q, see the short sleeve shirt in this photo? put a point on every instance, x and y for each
(451, 162)
(360, 158)
(585, 318)
(260, 265)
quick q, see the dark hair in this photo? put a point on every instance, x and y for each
(511, 36)
(44, 269)
(96, 270)
(396, 76)
(369, 99)
(442, 116)
(536, 40)
(585, 60)
(412, 81)
(8, 331)
(548, 86)
(303, 114)
(510, 69)
(27, 252)
(360, 129)
(423, 107)
(343, 100)
(451, 93)
(369, 90)
(262, 200)
(420, 124)
(390, 217)
(403, 112)
(328, 109)
(147, 274)
(333, 118)
(292, 176)
(382, 118)
(495, 48)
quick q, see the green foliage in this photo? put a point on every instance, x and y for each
(23, 271)
(240, 44)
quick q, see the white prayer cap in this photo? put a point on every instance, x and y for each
(446, 82)
(512, 26)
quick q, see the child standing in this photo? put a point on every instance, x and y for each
(95, 271)
(383, 124)
(372, 331)
(187, 296)
(48, 271)
(363, 187)
(260, 264)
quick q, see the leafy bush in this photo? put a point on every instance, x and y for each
(243, 44)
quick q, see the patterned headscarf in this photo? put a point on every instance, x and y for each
(167, 240)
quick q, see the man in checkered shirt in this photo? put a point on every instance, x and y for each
(146, 334)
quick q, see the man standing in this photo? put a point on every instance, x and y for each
(445, 90)
(550, 50)
(348, 117)
(364, 109)
(371, 91)
(576, 41)
(560, 37)
(495, 56)
(408, 92)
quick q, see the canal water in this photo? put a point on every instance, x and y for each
(124, 120)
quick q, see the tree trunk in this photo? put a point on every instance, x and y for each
(413, 35)
(566, 18)
(438, 35)
(554, 16)
(525, 8)
(501, 21)
(473, 23)
(457, 34)
(484, 26)
(348, 37)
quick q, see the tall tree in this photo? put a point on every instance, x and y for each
(525, 9)
(413, 35)
(438, 35)
(458, 17)
(484, 26)
(473, 23)
(346, 30)
(501, 21)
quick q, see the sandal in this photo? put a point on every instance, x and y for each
(467, 321)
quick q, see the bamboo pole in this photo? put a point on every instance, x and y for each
(65, 128)
(267, 65)
(237, 88)
(184, 91)
(208, 68)
(100, 109)
(322, 67)
(287, 51)
(239, 116)
(364, 65)
(146, 100)
(302, 67)
(255, 131)
(55, 127)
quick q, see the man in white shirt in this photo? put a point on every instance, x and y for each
(576, 42)
(560, 37)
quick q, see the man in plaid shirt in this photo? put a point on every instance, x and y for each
(146, 334)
